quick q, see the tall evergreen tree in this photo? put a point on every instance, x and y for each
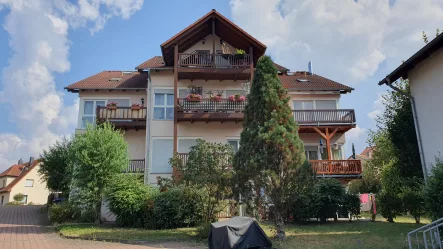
(270, 149)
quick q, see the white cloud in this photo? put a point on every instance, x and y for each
(355, 134)
(38, 32)
(346, 40)
(379, 107)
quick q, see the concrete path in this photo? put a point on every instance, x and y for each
(26, 227)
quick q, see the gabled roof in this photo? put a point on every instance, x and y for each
(422, 54)
(13, 171)
(25, 170)
(154, 62)
(224, 28)
(304, 81)
(280, 68)
(128, 80)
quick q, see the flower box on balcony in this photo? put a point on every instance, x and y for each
(237, 98)
(217, 98)
(194, 97)
(111, 106)
(136, 107)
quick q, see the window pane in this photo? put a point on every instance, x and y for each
(159, 113)
(170, 100)
(29, 183)
(88, 108)
(162, 150)
(336, 153)
(233, 92)
(182, 93)
(159, 99)
(100, 103)
(120, 102)
(325, 104)
(170, 113)
(234, 144)
(184, 145)
(313, 155)
(308, 105)
(86, 120)
(298, 105)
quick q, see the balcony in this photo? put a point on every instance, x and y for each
(135, 166)
(210, 110)
(337, 167)
(332, 168)
(122, 117)
(344, 119)
(214, 66)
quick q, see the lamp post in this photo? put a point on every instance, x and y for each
(143, 101)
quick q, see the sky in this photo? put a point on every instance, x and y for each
(46, 45)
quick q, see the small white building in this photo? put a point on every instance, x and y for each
(424, 70)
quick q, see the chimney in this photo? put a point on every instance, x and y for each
(311, 71)
(20, 162)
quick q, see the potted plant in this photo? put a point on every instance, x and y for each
(240, 54)
(135, 106)
(216, 98)
(194, 97)
(237, 98)
(112, 106)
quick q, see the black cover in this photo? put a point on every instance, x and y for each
(237, 233)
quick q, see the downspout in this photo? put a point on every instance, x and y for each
(148, 128)
(417, 128)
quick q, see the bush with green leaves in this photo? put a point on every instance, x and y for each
(19, 197)
(413, 201)
(355, 186)
(63, 212)
(433, 192)
(389, 200)
(127, 198)
(203, 230)
(351, 204)
(330, 195)
(174, 208)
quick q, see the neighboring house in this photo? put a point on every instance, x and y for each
(23, 178)
(202, 55)
(365, 155)
(424, 70)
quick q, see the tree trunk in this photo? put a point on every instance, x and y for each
(279, 225)
(391, 219)
(417, 219)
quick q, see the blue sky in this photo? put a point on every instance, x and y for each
(355, 43)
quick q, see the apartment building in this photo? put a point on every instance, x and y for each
(215, 59)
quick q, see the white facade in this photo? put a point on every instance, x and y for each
(426, 82)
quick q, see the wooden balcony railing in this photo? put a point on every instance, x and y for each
(135, 166)
(337, 167)
(120, 114)
(214, 61)
(321, 167)
(208, 105)
(338, 117)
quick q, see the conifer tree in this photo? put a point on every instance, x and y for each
(270, 148)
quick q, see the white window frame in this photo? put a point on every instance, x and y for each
(314, 105)
(152, 102)
(26, 181)
(82, 108)
(233, 139)
(341, 148)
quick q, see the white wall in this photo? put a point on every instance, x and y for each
(426, 81)
(37, 194)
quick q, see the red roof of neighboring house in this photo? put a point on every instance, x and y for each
(304, 81)
(368, 151)
(25, 170)
(280, 68)
(154, 62)
(112, 80)
(13, 171)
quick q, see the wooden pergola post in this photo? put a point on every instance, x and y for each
(174, 170)
(327, 136)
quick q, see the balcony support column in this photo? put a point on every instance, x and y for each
(174, 170)
(327, 136)
(213, 42)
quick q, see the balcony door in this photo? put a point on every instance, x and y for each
(89, 111)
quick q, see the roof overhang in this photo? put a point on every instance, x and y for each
(422, 54)
(224, 28)
(76, 90)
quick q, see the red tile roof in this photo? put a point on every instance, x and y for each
(13, 171)
(112, 80)
(303, 81)
(26, 169)
(154, 62)
(280, 68)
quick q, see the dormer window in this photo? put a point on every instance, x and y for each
(115, 79)
(302, 80)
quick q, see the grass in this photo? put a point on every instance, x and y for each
(335, 235)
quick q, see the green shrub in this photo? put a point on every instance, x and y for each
(390, 205)
(13, 203)
(19, 197)
(174, 208)
(330, 194)
(413, 201)
(127, 198)
(63, 212)
(351, 204)
(87, 216)
(203, 230)
(434, 191)
(355, 186)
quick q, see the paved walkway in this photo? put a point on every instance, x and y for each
(26, 227)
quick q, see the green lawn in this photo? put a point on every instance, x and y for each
(339, 235)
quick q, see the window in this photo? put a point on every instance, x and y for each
(234, 92)
(303, 104)
(120, 102)
(164, 106)
(185, 144)
(162, 150)
(315, 104)
(235, 143)
(25, 200)
(311, 152)
(4, 183)
(89, 111)
(29, 183)
(325, 104)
